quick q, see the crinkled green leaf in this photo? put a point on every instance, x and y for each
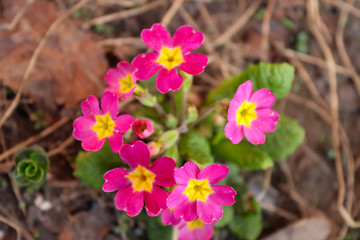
(248, 225)
(169, 138)
(284, 141)
(195, 146)
(246, 156)
(277, 77)
(41, 160)
(173, 153)
(228, 216)
(91, 166)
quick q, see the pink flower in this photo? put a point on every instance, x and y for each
(169, 55)
(154, 148)
(143, 128)
(141, 183)
(168, 217)
(196, 230)
(97, 124)
(121, 80)
(250, 113)
(197, 196)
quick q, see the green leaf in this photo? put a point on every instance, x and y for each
(91, 166)
(41, 160)
(246, 156)
(276, 77)
(173, 153)
(195, 146)
(248, 225)
(169, 138)
(228, 216)
(157, 231)
(284, 141)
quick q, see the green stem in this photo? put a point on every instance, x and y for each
(173, 103)
(204, 114)
(160, 110)
(175, 233)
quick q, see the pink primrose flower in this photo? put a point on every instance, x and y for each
(196, 230)
(170, 54)
(141, 183)
(197, 196)
(96, 125)
(250, 114)
(168, 217)
(154, 148)
(121, 80)
(143, 128)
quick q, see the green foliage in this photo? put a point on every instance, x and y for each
(246, 156)
(277, 77)
(302, 44)
(31, 166)
(81, 13)
(248, 225)
(156, 230)
(91, 166)
(195, 146)
(288, 23)
(173, 153)
(103, 28)
(284, 141)
(169, 138)
(228, 216)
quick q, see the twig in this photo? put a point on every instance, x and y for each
(237, 25)
(345, 6)
(339, 37)
(207, 18)
(34, 58)
(171, 12)
(61, 147)
(133, 41)
(123, 14)
(266, 185)
(18, 228)
(309, 59)
(266, 30)
(279, 211)
(35, 138)
(17, 18)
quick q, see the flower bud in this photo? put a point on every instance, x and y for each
(143, 128)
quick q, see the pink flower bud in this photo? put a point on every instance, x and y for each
(143, 128)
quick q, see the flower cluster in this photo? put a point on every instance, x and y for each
(187, 197)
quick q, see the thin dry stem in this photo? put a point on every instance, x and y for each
(17, 18)
(266, 185)
(61, 147)
(266, 30)
(171, 12)
(34, 58)
(345, 6)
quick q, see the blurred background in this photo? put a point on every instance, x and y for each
(54, 54)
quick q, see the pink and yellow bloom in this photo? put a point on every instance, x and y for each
(96, 125)
(195, 230)
(197, 196)
(250, 113)
(121, 80)
(143, 128)
(141, 183)
(170, 55)
(168, 217)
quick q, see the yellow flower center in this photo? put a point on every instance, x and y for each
(170, 58)
(246, 113)
(126, 84)
(142, 179)
(198, 190)
(104, 126)
(196, 224)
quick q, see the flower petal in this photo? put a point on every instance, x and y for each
(263, 98)
(164, 168)
(131, 202)
(82, 128)
(124, 68)
(176, 197)
(136, 154)
(90, 107)
(115, 180)
(187, 210)
(254, 135)
(155, 201)
(168, 217)
(223, 195)
(112, 77)
(233, 107)
(204, 233)
(123, 123)
(186, 234)
(92, 143)
(266, 120)
(234, 132)
(209, 211)
(156, 37)
(145, 66)
(189, 170)
(168, 80)
(194, 63)
(244, 92)
(187, 38)
(116, 141)
(214, 173)
(110, 104)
